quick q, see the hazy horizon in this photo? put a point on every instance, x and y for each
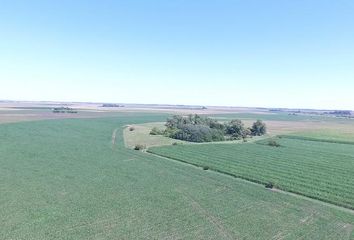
(272, 54)
(169, 104)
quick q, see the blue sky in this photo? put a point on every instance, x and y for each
(282, 53)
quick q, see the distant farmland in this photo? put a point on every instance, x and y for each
(68, 179)
(316, 169)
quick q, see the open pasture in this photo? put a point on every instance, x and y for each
(319, 170)
(67, 179)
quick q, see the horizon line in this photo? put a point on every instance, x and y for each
(170, 104)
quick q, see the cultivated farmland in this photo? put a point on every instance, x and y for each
(69, 179)
(319, 170)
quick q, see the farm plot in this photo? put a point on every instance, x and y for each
(61, 179)
(338, 135)
(318, 170)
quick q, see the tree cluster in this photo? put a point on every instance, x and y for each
(64, 110)
(196, 128)
(111, 105)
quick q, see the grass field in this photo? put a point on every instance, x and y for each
(141, 135)
(66, 179)
(316, 169)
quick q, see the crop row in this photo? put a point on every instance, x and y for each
(304, 169)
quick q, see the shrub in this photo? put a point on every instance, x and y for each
(269, 185)
(131, 129)
(273, 143)
(156, 131)
(205, 168)
(175, 143)
(139, 147)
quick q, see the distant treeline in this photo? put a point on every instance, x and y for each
(195, 128)
(111, 105)
(64, 110)
(340, 113)
(335, 113)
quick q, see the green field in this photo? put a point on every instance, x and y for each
(67, 179)
(345, 135)
(316, 169)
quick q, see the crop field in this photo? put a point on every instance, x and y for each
(316, 169)
(74, 179)
(343, 135)
(9, 115)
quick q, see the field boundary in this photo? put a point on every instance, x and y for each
(260, 183)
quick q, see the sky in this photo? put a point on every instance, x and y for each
(251, 53)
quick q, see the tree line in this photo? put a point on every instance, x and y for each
(196, 128)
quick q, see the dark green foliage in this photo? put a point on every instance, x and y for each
(175, 143)
(139, 147)
(205, 168)
(258, 128)
(198, 133)
(131, 129)
(174, 122)
(216, 125)
(236, 129)
(269, 185)
(196, 128)
(178, 121)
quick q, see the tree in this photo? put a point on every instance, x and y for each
(196, 128)
(236, 129)
(258, 128)
(174, 121)
(216, 125)
(198, 133)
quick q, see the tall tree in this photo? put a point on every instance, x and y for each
(259, 128)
